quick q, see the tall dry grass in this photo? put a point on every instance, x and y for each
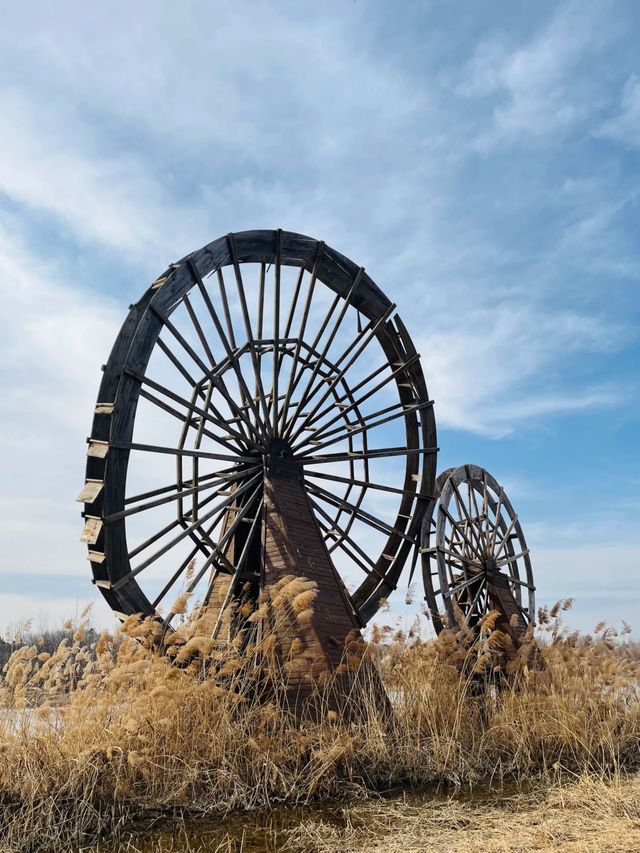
(104, 733)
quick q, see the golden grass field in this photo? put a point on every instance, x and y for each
(104, 736)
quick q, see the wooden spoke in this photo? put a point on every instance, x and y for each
(214, 376)
(196, 461)
(247, 399)
(263, 268)
(249, 333)
(213, 415)
(152, 539)
(236, 576)
(344, 410)
(471, 609)
(497, 521)
(177, 451)
(505, 538)
(367, 484)
(198, 328)
(303, 326)
(179, 495)
(225, 308)
(217, 553)
(294, 303)
(471, 522)
(217, 511)
(460, 558)
(365, 336)
(519, 582)
(512, 558)
(368, 425)
(181, 568)
(295, 379)
(461, 531)
(454, 590)
(349, 427)
(186, 346)
(358, 513)
(276, 337)
(478, 515)
(365, 563)
(163, 347)
(229, 473)
(306, 394)
(174, 577)
(207, 415)
(379, 453)
(187, 420)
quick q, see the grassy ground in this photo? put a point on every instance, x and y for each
(101, 735)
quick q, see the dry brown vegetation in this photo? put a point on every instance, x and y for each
(585, 816)
(100, 735)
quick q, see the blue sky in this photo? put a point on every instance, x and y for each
(481, 160)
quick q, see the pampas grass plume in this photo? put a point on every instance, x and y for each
(305, 616)
(304, 600)
(180, 604)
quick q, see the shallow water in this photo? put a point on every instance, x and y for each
(243, 833)
(268, 832)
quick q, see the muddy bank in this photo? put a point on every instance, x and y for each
(585, 816)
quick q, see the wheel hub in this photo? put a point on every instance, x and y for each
(490, 565)
(280, 460)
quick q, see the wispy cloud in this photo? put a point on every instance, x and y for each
(487, 367)
(537, 96)
(54, 337)
(50, 163)
(52, 334)
(287, 123)
(625, 126)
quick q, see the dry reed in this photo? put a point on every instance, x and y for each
(101, 734)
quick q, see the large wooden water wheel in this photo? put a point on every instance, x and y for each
(263, 413)
(475, 557)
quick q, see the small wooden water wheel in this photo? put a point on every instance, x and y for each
(475, 558)
(263, 413)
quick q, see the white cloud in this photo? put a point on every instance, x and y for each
(540, 95)
(486, 364)
(355, 173)
(54, 339)
(51, 334)
(625, 127)
(48, 164)
(280, 126)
